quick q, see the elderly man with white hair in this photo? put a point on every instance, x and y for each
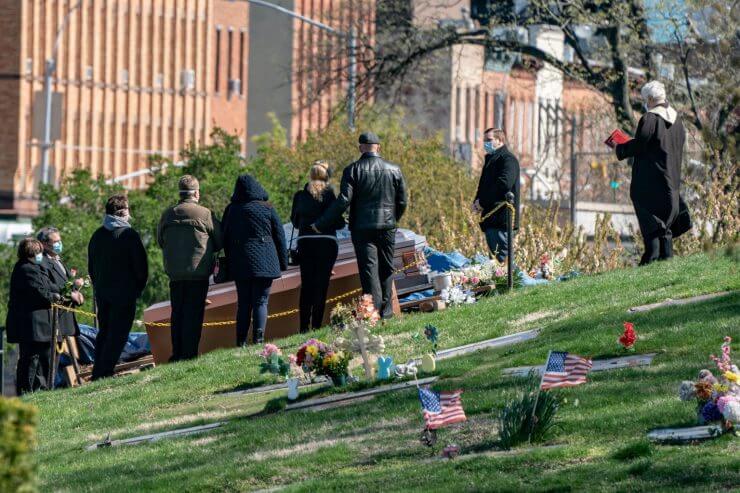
(657, 150)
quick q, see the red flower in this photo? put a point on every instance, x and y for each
(628, 337)
(301, 356)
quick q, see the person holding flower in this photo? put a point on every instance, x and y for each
(60, 276)
(318, 252)
(28, 321)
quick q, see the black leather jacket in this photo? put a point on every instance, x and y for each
(374, 191)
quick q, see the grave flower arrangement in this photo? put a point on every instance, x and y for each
(318, 357)
(717, 397)
(628, 337)
(273, 361)
(474, 276)
(357, 333)
(456, 295)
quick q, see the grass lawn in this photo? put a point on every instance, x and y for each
(374, 446)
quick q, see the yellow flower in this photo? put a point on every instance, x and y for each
(732, 377)
(312, 350)
(720, 388)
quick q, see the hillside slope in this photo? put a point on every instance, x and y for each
(374, 445)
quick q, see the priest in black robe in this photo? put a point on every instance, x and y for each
(657, 152)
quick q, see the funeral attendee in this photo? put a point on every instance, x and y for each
(28, 322)
(317, 252)
(375, 193)
(500, 175)
(657, 150)
(118, 267)
(189, 235)
(255, 248)
(59, 275)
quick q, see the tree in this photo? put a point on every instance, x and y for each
(620, 56)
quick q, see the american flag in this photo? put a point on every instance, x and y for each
(441, 408)
(564, 370)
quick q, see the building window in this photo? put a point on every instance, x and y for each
(217, 70)
(241, 61)
(230, 53)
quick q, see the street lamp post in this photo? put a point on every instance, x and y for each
(351, 38)
(49, 68)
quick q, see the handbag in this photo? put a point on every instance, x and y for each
(683, 223)
(294, 257)
(222, 274)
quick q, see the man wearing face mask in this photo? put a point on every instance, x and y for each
(59, 274)
(117, 263)
(500, 175)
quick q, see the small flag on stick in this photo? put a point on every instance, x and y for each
(441, 408)
(564, 370)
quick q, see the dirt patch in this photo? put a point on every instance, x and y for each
(534, 317)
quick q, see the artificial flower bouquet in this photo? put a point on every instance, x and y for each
(456, 295)
(356, 333)
(318, 357)
(273, 361)
(717, 398)
(628, 337)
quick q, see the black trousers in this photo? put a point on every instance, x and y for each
(188, 302)
(658, 246)
(33, 367)
(374, 251)
(115, 322)
(251, 307)
(317, 260)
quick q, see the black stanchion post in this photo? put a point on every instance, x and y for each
(2, 361)
(53, 352)
(510, 240)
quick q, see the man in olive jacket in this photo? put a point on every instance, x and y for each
(189, 235)
(375, 192)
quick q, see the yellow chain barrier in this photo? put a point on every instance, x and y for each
(232, 322)
(496, 209)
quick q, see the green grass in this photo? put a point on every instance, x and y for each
(374, 446)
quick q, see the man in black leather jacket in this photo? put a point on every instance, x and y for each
(375, 193)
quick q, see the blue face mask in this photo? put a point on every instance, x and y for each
(57, 247)
(38, 258)
(488, 147)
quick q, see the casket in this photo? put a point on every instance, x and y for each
(221, 301)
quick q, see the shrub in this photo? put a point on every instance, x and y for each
(17, 440)
(515, 423)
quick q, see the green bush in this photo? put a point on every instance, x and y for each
(17, 440)
(515, 424)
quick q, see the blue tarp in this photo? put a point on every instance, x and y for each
(136, 347)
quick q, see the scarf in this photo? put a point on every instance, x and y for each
(114, 222)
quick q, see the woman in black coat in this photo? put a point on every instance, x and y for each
(657, 150)
(318, 252)
(254, 242)
(29, 316)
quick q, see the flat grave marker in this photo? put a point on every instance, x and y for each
(599, 365)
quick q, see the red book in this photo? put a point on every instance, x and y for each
(617, 137)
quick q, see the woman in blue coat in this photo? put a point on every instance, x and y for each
(255, 248)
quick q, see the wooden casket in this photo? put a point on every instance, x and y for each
(222, 299)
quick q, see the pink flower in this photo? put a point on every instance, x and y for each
(269, 349)
(79, 282)
(292, 359)
(464, 279)
(500, 272)
(475, 280)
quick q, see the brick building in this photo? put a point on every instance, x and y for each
(143, 77)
